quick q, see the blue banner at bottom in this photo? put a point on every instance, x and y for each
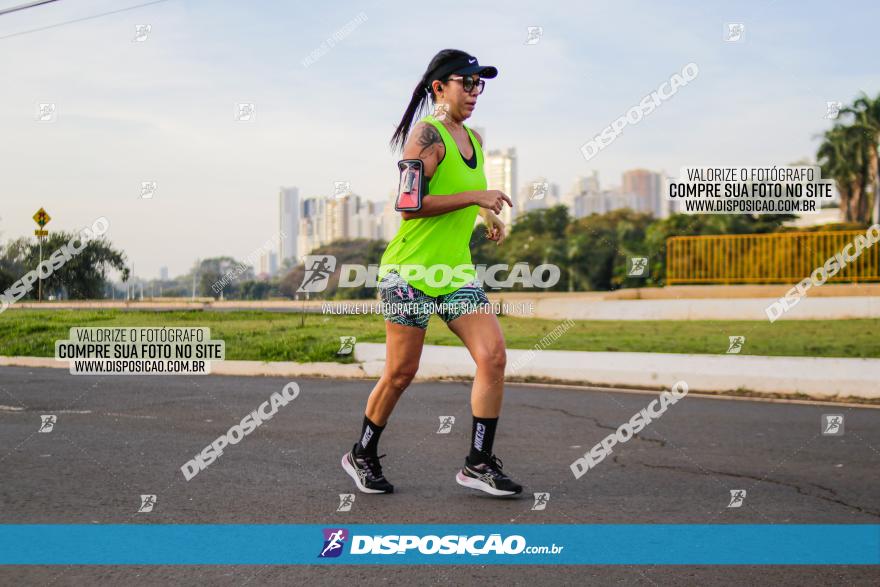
(417, 544)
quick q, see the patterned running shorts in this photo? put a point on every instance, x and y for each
(403, 304)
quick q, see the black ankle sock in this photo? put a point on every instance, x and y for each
(482, 438)
(369, 440)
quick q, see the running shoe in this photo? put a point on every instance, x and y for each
(487, 477)
(366, 472)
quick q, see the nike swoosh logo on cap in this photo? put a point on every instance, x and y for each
(472, 60)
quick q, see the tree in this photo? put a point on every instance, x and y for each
(842, 156)
(6, 279)
(255, 290)
(602, 244)
(866, 112)
(848, 154)
(221, 274)
(359, 251)
(538, 238)
(83, 276)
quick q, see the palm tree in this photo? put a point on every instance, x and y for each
(842, 158)
(866, 112)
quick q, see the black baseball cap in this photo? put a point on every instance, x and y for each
(459, 62)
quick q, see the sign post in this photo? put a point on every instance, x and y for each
(42, 218)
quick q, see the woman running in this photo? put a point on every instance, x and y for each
(437, 235)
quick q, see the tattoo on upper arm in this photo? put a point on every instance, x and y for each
(428, 138)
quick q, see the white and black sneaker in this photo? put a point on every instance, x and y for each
(487, 477)
(366, 472)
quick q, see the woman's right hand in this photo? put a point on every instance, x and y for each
(492, 200)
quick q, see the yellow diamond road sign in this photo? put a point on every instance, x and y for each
(42, 217)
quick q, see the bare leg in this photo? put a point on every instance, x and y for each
(403, 350)
(481, 334)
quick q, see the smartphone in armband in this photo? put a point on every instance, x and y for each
(412, 184)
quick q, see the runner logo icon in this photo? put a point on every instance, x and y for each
(541, 500)
(832, 424)
(737, 498)
(736, 344)
(334, 541)
(346, 345)
(318, 269)
(47, 423)
(346, 500)
(446, 423)
(148, 502)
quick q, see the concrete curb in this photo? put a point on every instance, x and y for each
(288, 369)
(828, 308)
(817, 378)
(553, 306)
(32, 362)
(244, 368)
(820, 378)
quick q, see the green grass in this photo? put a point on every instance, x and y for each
(271, 336)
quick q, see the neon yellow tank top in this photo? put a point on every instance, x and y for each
(442, 240)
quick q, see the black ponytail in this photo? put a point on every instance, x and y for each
(419, 100)
(417, 104)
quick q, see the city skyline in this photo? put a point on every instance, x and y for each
(163, 109)
(320, 220)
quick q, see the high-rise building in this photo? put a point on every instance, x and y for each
(163, 273)
(367, 221)
(312, 225)
(617, 199)
(324, 220)
(645, 186)
(670, 206)
(600, 202)
(586, 203)
(586, 184)
(288, 223)
(338, 214)
(500, 167)
(391, 219)
(350, 217)
(268, 264)
(585, 196)
(535, 195)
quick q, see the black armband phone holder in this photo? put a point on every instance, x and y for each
(412, 185)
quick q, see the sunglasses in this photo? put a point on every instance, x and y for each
(469, 83)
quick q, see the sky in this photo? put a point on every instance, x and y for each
(163, 109)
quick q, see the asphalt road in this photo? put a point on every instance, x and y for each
(117, 437)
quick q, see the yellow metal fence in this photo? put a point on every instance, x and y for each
(765, 258)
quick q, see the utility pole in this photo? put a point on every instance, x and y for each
(195, 273)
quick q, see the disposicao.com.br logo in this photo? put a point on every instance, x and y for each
(479, 544)
(319, 268)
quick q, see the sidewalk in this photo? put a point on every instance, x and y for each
(819, 378)
(690, 302)
(816, 378)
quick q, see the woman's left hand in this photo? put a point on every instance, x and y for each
(495, 229)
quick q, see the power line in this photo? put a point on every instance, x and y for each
(80, 19)
(23, 6)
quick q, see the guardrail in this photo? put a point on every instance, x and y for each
(785, 257)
